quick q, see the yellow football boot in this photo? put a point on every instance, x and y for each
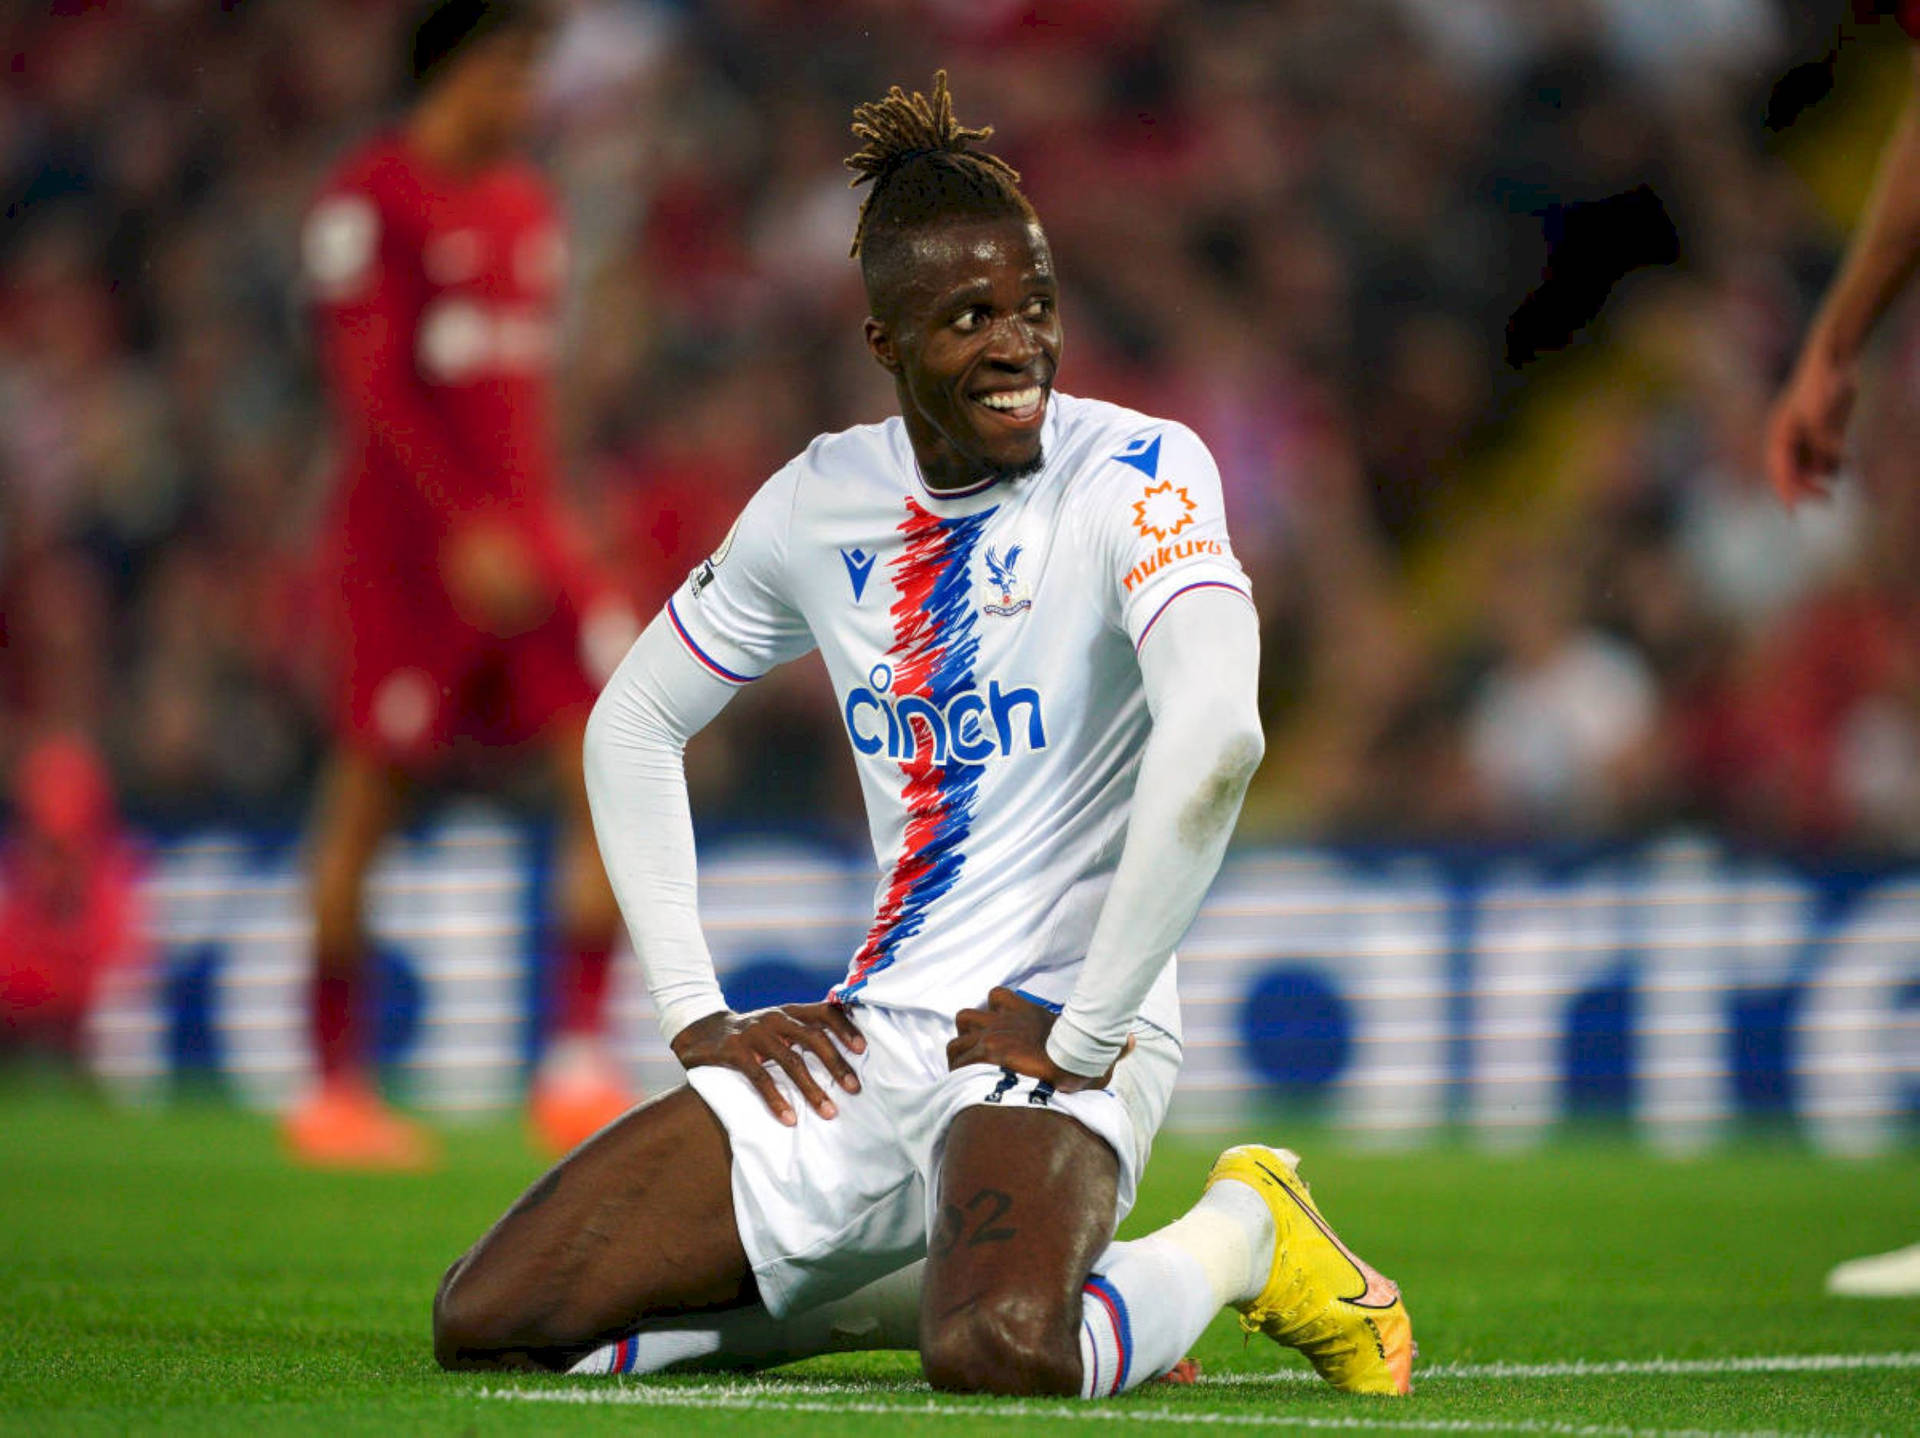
(1321, 1298)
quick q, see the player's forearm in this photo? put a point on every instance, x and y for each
(1884, 248)
(637, 787)
(1200, 666)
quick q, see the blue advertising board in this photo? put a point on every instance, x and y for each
(1398, 995)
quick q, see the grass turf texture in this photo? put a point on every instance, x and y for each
(167, 1271)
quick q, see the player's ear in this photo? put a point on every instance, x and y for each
(881, 346)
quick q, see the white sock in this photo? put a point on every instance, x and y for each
(1148, 1300)
(884, 1314)
(1143, 1305)
(648, 1350)
(1230, 1233)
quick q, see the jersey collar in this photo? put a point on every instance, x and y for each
(988, 492)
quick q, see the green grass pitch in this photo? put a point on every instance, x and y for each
(167, 1272)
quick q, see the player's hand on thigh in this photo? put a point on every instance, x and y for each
(782, 1036)
(1011, 1032)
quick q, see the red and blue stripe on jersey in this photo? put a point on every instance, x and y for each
(935, 643)
(704, 659)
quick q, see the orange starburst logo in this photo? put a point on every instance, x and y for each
(1162, 511)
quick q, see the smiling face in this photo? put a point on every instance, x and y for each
(965, 319)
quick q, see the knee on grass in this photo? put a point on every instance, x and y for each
(461, 1327)
(474, 1329)
(1017, 1344)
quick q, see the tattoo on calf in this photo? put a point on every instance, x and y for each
(997, 1203)
(946, 1232)
(984, 1210)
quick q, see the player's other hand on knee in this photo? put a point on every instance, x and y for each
(1012, 1033)
(780, 1037)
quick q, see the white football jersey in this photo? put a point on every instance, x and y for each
(982, 646)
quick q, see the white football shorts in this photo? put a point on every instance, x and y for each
(829, 1205)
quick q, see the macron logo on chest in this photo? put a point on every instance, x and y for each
(859, 565)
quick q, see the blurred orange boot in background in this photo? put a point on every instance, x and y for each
(344, 1124)
(578, 1090)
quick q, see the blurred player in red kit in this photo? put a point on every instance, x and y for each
(434, 258)
(69, 899)
(1807, 430)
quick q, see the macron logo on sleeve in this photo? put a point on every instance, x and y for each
(1144, 455)
(859, 565)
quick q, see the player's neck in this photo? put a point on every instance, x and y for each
(944, 472)
(942, 478)
(942, 468)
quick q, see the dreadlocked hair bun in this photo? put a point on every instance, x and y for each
(923, 166)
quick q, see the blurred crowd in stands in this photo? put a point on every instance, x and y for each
(1512, 588)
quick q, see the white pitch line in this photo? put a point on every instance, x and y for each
(1586, 1368)
(1425, 1373)
(760, 1399)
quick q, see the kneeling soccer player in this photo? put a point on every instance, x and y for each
(1045, 653)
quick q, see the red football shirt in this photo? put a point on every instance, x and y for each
(436, 300)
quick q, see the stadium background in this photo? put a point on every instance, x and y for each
(1594, 779)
